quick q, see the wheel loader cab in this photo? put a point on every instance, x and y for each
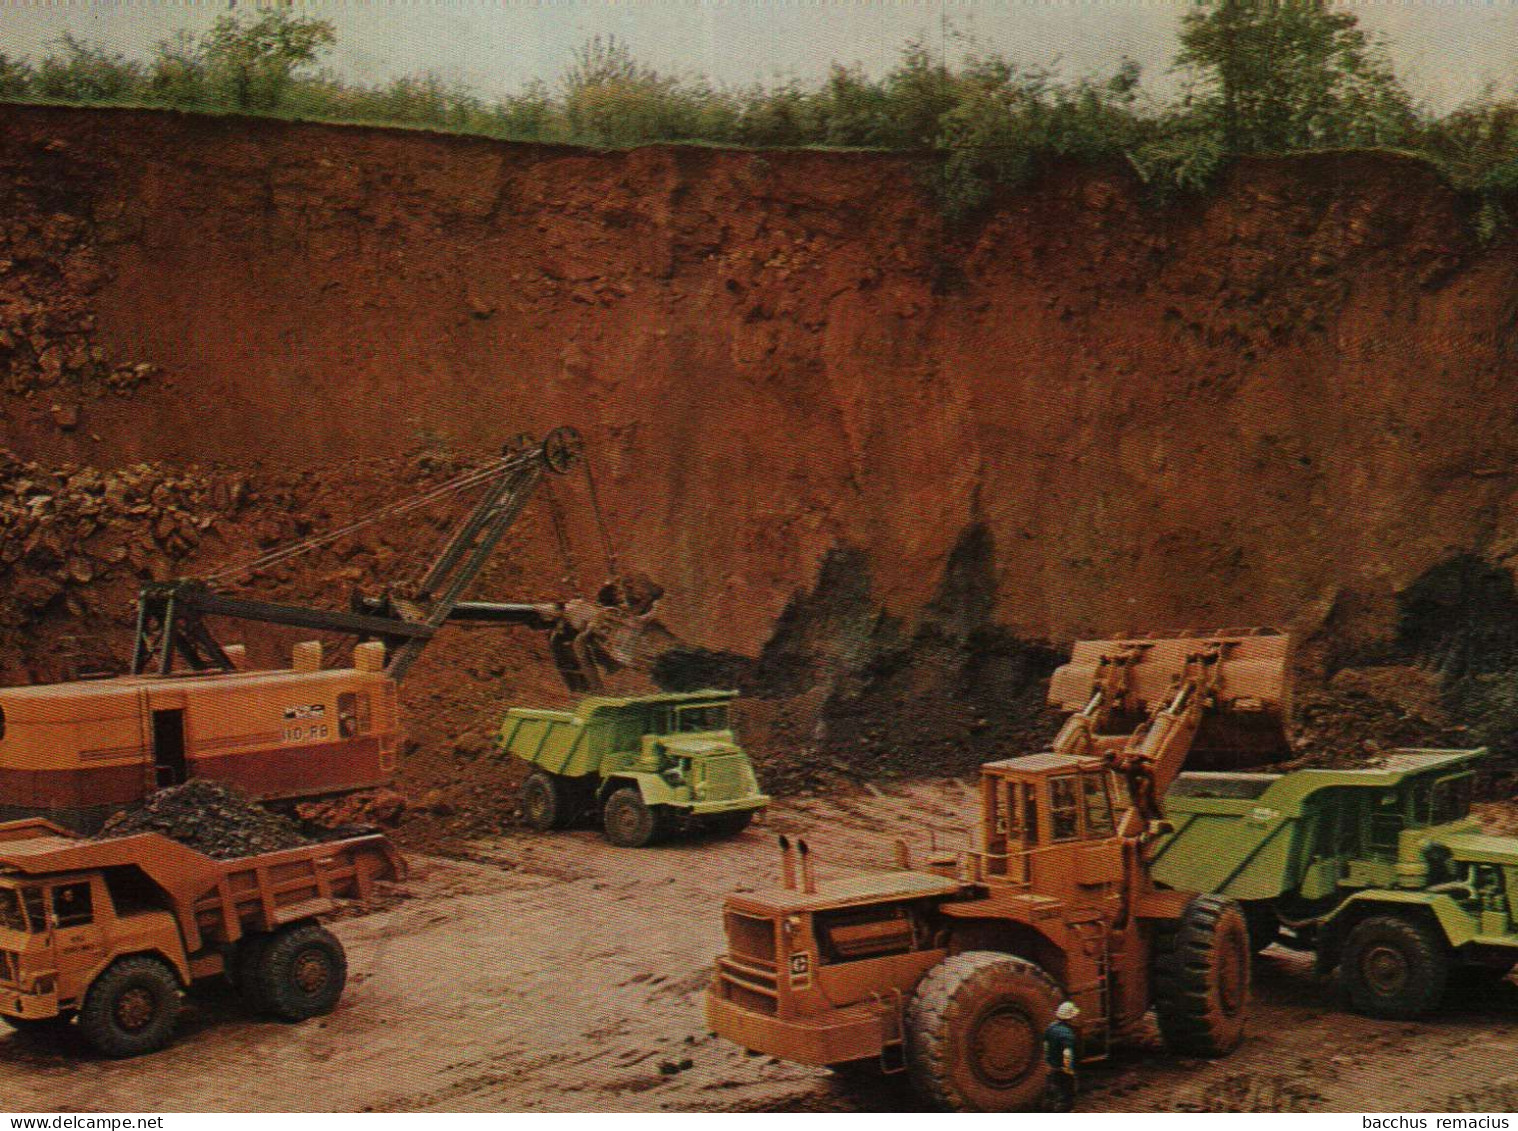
(1048, 821)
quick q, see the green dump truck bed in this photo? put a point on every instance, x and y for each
(1312, 832)
(579, 743)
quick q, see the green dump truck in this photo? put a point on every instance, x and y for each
(1381, 872)
(650, 765)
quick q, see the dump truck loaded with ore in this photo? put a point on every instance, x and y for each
(106, 933)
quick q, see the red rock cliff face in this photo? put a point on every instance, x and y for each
(1278, 404)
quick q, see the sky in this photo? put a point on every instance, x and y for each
(1445, 50)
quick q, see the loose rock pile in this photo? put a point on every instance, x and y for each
(66, 528)
(209, 817)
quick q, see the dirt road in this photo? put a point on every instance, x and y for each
(558, 973)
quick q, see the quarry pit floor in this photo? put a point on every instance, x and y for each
(557, 973)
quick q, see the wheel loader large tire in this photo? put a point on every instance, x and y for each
(301, 972)
(629, 821)
(1393, 967)
(545, 800)
(1201, 978)
(975, 1032)
(131, 1009)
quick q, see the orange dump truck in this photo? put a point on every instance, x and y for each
(105, 934)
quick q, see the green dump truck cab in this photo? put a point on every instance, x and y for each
(648, 765)
(1381, 872)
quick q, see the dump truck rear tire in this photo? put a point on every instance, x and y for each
(546, 803)
(1393, 967)
(250, 956)
(1201, 978)
(975, 1032)
(131, 1009)
(301, 972)
(629, 821)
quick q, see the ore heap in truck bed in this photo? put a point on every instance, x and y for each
(210, 817)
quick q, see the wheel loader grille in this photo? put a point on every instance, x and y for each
(751, 938)
(747, 974)
(725, 778)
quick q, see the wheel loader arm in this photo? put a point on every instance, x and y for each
(1224, 689)
(1152, 757)
(1110, 684)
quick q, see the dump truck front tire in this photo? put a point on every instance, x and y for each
(301, 972)
(629, 821)
(1201, 978)
(545, 802)
(1393, 967)
(132, 1008)
(975, 1029)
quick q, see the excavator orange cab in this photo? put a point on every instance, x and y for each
(951, 972)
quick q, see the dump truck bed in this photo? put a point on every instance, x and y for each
(1244, 835)
(214, 900)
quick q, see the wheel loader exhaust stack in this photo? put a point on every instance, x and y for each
(952, 973)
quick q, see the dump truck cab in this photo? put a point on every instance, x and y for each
(646, 763)
(58, 932)
(1381, 871)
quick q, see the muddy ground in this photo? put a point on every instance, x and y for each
(559, 973)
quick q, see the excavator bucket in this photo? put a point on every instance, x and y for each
(1245, 727)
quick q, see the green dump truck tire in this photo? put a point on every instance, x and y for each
(546, 802)
(631, 822)
(1394, 966)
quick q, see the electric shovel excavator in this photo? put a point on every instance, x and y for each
(78, 751)
(952, 971)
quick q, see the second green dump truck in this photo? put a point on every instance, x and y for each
(650, 765)
(1381, 872)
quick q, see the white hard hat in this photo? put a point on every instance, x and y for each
(1068, 1011)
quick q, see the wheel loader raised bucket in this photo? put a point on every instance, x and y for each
(1246, 726)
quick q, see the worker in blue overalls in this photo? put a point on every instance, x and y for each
(1060, 1054)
